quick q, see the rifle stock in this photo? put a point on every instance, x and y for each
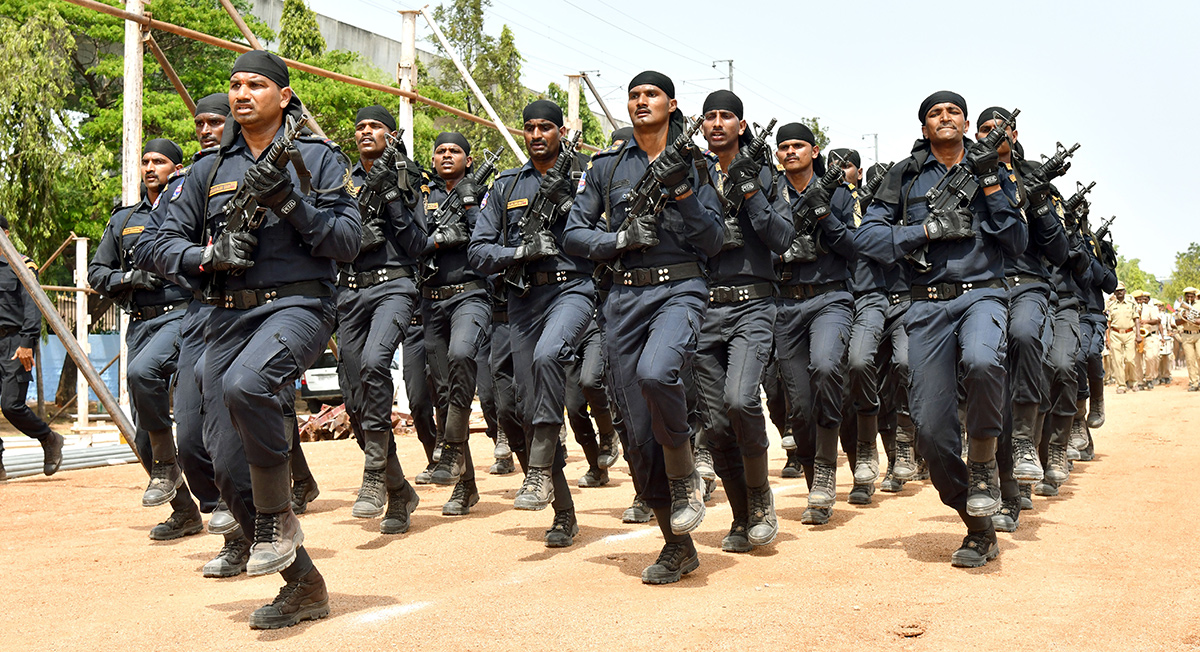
(541, 214)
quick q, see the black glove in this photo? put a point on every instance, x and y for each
(269, 185)
(142, 280)
(733, 234)
(670, 170)
(558, 190)
(541, 246)
(1038, 194)
(1079, 261)
(816, 200)
(372, 235)
(451, 235)
(383, 179)
(1108, 255)
(983, 161)
(231, 251)
(803, 250)
(469, 191)
(743, 175)
(950, 225)
(641, 233)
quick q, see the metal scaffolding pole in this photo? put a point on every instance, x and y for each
(462, 69)
(69, 343)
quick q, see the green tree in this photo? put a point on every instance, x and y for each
(593, 132)
(494, 63)
(1186, 273)
(814, 123)
(1130, 273)
(44, 164)
(299, 36)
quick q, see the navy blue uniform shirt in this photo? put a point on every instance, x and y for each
(498, 233)
(689, 230)
(398, 218)
(765, 231)
(453, 266)
(17, 309)
(323, 230)
(887, 236)
(832, 230)
(115, 256)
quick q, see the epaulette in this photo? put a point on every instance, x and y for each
(710, 156)
(181, 172)
(510, 172)
(611, 149)
(30, 264)
(120, 208)
(205, 152)
(313, 138)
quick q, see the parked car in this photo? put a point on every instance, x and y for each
(319, 385)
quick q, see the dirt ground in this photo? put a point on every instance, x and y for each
(1104, 566)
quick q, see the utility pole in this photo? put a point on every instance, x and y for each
(573, 120)
(729, 63)
(131, 188)
(406, 75)
(876, 137)
(596, 94)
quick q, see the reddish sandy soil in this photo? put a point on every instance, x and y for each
(1107, 565)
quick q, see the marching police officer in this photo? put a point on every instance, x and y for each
(156, 308)
(1187, 318)
(551, 298)
(456, 310)
(956, 325)
(736, 338)
(657, 303)
(273, 281)
(376, 298)
(20, 327)
(815, 311)
(194, 459)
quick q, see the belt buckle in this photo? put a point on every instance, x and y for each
(639, 277)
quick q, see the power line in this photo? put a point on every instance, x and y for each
(640, 38)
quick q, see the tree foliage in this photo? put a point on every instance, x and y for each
(43, 163)
(299, 36)
(814, 123)
(494, 63)
(1186, 273)
(593, 132)
(1130, 273)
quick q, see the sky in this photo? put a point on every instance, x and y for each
(1116, 77)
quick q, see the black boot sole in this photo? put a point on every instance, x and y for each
(312, 612)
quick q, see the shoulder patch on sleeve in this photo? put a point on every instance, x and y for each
(30, 264)
(583, 180)
(228, 186)
(175, 195)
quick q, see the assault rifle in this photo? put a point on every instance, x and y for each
(541, 214)
(242, 212)
(957, 188)
(1055, 166)
(734, 197)
(807, 245)
(872, 185)
(647, 196)
(372, 202)
(452, 211)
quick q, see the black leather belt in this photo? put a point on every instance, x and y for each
(898, 297)
(416, 319)
(557, 276)
(144, 313)
(444, 292)
(947, 291)
(371, 278)
(643, 276)
(740, 293)
(805, 291)
(247, 299)
(500, 316)
(1024, 279)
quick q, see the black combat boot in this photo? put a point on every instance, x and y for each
(302, 599)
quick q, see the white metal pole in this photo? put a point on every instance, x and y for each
(81, 333)
(406, 75)
(131, 160)
(573, 120)
(474, 87)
